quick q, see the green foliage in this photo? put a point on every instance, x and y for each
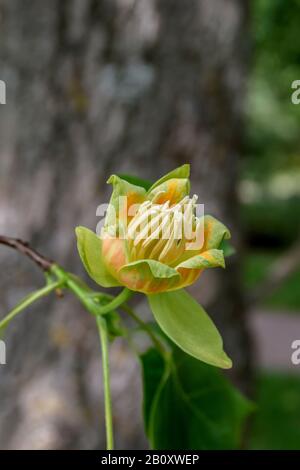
(273, 124)
(287, 296)
(276, 425)
(189, 405)
(186, 323)
(153, 368)
(276, 34)
(277, 221)
(136, 180)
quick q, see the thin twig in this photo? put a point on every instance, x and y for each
(28, 300)
(25, 249)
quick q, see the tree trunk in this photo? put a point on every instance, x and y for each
(94, 88)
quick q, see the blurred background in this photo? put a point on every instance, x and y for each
(142, 86)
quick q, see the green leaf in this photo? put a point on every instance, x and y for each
(89, 247)
(186, 323)
(180, 172)
(194, 405)
(153, 368)
(136, 180)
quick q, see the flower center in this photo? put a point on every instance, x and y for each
(161, 232)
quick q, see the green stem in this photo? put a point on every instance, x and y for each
(28, 301)
(159, 345)
(136, 318)
(84, 294)
(102, 329)
(146, 328)
(116, 302)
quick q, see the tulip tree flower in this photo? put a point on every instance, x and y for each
(153, 242)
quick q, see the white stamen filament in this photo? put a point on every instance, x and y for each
(160, 229)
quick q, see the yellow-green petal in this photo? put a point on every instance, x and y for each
(180, 172)
(173, 190)
(214, 233)
(148, 276)
(122, 188)
(207, 259)
(89, 248)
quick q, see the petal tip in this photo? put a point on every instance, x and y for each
(80, 230)
(226, 362)
(186, 168)
(112, 179)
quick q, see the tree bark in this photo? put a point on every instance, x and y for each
(94, 88)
